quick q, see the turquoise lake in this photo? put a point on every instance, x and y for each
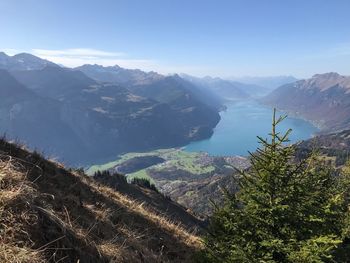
(241, 122)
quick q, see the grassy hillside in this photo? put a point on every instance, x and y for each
(51, 214)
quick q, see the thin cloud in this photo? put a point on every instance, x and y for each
(78, 61)
(77, 52)
(11, 51)
(79, 56)
(75, 57)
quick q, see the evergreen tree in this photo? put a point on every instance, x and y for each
(285, 210)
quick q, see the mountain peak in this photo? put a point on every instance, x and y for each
(3, 54)
(3, 59)
(23, 61)
(328, 75)
(29, 58)
(325, 81)
(25, 55)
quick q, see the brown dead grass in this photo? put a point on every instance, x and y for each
(48, 214)
(15, 215)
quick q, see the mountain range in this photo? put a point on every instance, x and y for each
(220, 87)
(23, 61)
(93, 113)
(323, 99)
(266, 84)
(98, 118)
(100, 112)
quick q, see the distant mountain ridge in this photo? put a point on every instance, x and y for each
(151, 84)
(116, 74)
(225, 89)
(53, 81)
(326, 81)
(269, 83)
(324, 99)
(23, 61)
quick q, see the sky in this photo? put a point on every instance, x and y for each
(225, 38)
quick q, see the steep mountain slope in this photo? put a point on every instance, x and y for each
(324, 99)
(35, 120)
(23, 61)
(198, 108)
(185, 99)
(162, 204)
(50, 214)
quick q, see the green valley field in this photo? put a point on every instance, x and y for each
(184, 176)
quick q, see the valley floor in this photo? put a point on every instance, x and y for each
(186, 177)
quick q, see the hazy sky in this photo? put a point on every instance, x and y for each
(200, 37)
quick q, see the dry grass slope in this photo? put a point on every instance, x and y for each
(50, 214)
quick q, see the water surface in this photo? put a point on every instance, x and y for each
(241, 123)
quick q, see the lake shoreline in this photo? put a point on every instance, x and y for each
(241, 122)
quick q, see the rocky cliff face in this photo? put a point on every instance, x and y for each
(324, 99)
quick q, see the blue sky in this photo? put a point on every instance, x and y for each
(207, 37)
